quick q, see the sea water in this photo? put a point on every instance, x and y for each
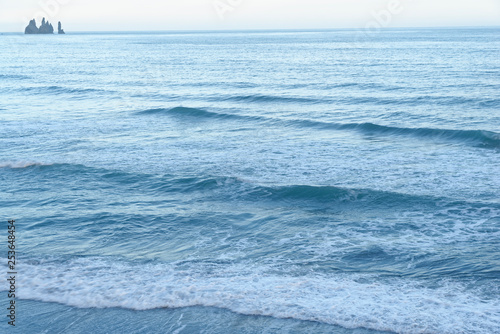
(253, 182)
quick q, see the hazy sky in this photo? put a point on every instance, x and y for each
(86, 15)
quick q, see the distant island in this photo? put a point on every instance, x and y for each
(45, 28)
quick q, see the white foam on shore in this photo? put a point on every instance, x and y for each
(350, 301)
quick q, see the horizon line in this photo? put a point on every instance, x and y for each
(268, 29)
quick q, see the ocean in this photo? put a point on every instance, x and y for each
(252, 181)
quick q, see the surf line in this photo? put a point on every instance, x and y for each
(11, 273)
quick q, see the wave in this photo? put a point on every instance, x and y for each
(228, 188)
(194, 113)
(269, 99)
(400, 305)
(14, 76)
(233, 188)
(22, 164)
(217, 84)
(421, 100)
(489, 103)
(60, 90)
(331, 197)
(481, 138)
(317, 194)
(183, 111)
(477, 138)
(364, 100)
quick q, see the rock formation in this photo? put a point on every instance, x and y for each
(60, 30)
(45, 28)
(31, 28)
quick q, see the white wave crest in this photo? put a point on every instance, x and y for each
(351, 301)
(21, 164)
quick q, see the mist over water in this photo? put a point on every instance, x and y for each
(252, 182)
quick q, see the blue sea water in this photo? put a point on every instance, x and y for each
(253, 182)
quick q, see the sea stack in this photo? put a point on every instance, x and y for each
(31, 28)
(60, 30)
(45, 28)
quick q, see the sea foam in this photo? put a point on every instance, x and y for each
(351, 301)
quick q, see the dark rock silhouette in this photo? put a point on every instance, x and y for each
(45, 28)
(60, 30)
(31, 28)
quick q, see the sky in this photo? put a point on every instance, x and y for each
(144, 15)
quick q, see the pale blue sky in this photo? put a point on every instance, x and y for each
(103, 15)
